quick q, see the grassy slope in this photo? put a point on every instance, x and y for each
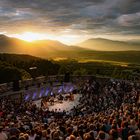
(85, 56)
(118, 56)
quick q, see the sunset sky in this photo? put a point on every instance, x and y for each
(70, 21)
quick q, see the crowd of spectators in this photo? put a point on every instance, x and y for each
(108, 111)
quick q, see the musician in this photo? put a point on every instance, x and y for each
(60, 97)
(52, 100)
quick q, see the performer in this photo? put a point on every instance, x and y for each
(71, 97)
(60, 97)
(44, 104)
(52, 100)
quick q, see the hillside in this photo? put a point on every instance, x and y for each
(17, 67)
(41, 48)
(17, 57)
(57, 50)
(116, 56)
(101, 44)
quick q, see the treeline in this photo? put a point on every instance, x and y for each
(20, 67)
(104, 69)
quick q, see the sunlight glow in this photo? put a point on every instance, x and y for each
(69, 39)
(64, 38)
(29, 36)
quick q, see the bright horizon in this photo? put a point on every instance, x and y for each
(33, 36)
(70, 22)
(69, 39)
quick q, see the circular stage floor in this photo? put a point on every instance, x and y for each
(65, 105)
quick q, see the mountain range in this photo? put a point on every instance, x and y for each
(101, 44)
(40, 48)
(92, 49)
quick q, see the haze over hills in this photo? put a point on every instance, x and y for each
(57, 50)
(101, 44)
(40, 48)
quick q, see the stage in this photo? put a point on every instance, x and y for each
(64, 105)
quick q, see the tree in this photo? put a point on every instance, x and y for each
(81, 71)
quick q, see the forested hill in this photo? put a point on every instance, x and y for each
(16, 67)
(16, 57)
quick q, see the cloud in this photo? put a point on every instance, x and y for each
(90, 16)
(129, 20)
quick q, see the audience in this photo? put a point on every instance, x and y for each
(106, 111)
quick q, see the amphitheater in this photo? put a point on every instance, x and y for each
(83, 108)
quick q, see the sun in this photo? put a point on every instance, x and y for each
(30, 36)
